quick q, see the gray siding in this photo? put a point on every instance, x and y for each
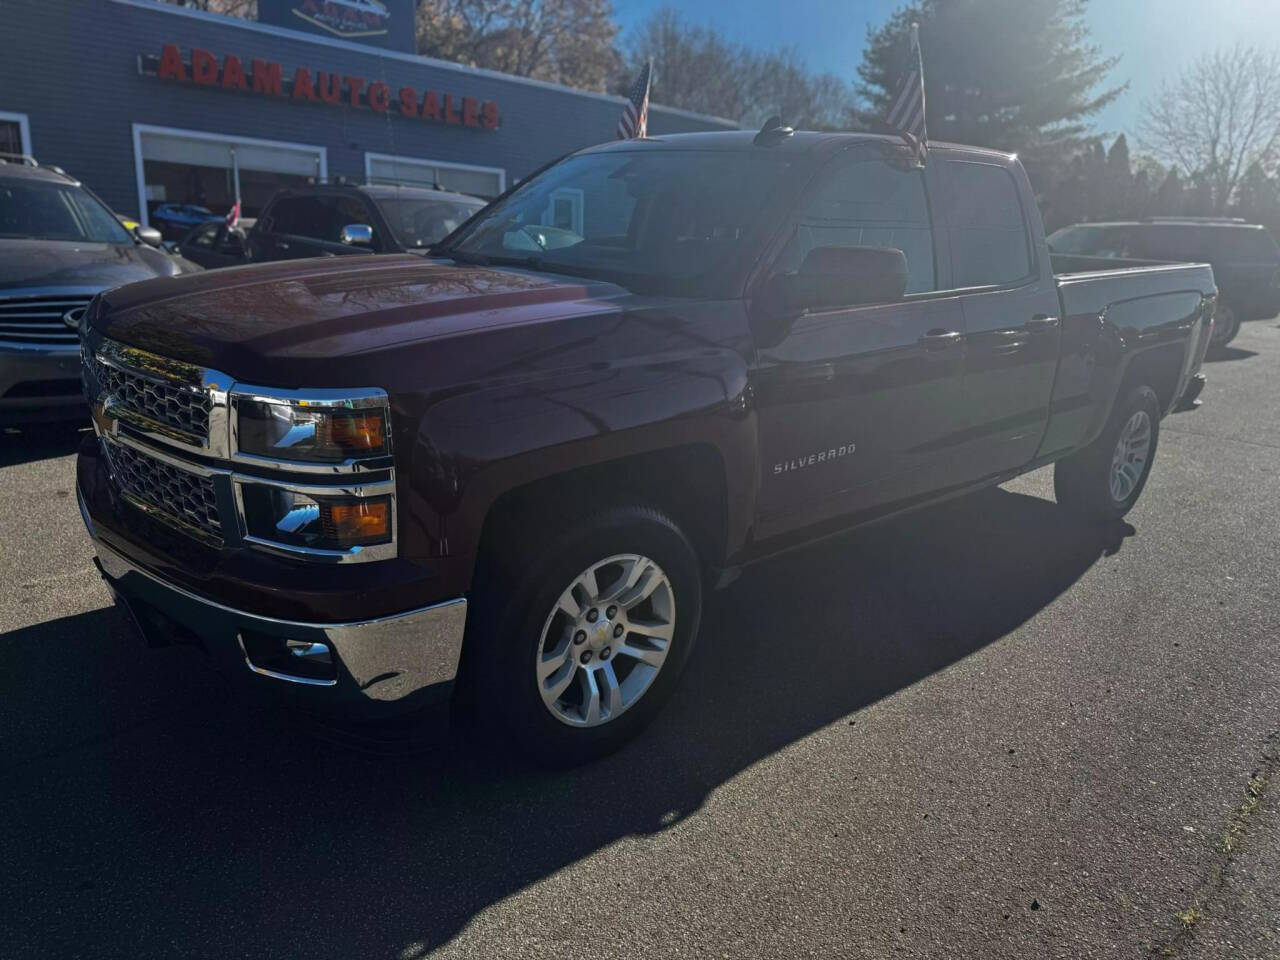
(71, 67)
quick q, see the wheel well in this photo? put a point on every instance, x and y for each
(688, 483)
(1158, 369)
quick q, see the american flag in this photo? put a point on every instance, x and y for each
(906, 112)
(635, 113)
(233, 215)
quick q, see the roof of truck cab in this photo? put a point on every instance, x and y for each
(801, 141)
(378, 191)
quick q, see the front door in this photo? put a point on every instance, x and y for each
(854, 403)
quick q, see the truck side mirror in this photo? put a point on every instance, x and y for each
(847, 276)
(357, 235)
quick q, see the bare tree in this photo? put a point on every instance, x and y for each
(696, 68)
(1217, 119)
(244, 9)
(562, 41)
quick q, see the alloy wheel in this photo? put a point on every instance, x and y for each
(1130, 457)
(606, 640)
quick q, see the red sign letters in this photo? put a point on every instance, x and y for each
(266, 78)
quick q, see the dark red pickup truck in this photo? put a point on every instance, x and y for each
(508, 473)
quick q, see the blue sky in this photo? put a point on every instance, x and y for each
(1154, 37)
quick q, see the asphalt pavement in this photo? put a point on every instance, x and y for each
(984, 731)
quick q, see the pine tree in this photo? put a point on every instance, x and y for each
(1017, 75)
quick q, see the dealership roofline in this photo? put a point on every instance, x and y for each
(364, 48)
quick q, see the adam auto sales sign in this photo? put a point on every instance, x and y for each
(266, 78)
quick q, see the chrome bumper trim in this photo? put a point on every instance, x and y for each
(384, 659)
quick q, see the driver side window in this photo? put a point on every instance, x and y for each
(868, 203)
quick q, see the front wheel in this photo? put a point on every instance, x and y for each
(588, 632)
(1105, 479)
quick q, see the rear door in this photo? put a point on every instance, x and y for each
(853, 402)
(1010, 303)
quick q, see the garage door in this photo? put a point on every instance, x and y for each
(408, 171)
(185, 171)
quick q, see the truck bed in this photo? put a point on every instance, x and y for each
(1131, 312)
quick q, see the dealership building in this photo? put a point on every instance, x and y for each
(150, 103)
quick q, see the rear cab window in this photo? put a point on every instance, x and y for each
(978, 208)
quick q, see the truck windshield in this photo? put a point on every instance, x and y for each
(33, 210)
(420, 223)
(654, 221)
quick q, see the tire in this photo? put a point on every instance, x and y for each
(523, 618)
(1226, 324)
(1084, 482)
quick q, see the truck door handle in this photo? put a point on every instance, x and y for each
(1042, 323)
(282, 245)
(940, 339)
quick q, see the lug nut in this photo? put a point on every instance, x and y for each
(611, 612)
(604, 654)
(617, 630)
(593, 615)
(586, 656)
(579, 637)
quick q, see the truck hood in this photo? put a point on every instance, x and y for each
(332, 320)
(65, 263)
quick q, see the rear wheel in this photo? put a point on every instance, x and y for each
(581, 636)
(1226, 324)
(1105, 479)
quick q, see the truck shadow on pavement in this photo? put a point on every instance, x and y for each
(206, 804)
(1227, 354)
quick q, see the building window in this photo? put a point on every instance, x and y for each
(564, 210)
(185, 175)
(485, 182)
(15, 134)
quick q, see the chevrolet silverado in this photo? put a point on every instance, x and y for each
(503, 476)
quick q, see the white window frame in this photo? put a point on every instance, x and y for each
(230, 139)
(576, 197)
(24, 129)
(370, 158)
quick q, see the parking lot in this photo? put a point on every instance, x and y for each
(980, 731)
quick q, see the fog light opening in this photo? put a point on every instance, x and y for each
(289, 658)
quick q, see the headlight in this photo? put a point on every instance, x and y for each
(312, 521)
(313, 430)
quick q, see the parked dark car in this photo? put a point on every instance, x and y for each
(1244, 257)
(340, 220)
(173, 220)
(215, 244)
(59, 245)
(511, 471)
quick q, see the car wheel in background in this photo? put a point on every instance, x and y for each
(1226, 324)
(1105, 479)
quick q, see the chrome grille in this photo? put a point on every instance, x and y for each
(177, 494)
(32, 320)
(172, 405)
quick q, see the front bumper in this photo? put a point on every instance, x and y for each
(379, 667)
(39, 383)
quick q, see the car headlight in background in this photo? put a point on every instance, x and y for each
(320, 429)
